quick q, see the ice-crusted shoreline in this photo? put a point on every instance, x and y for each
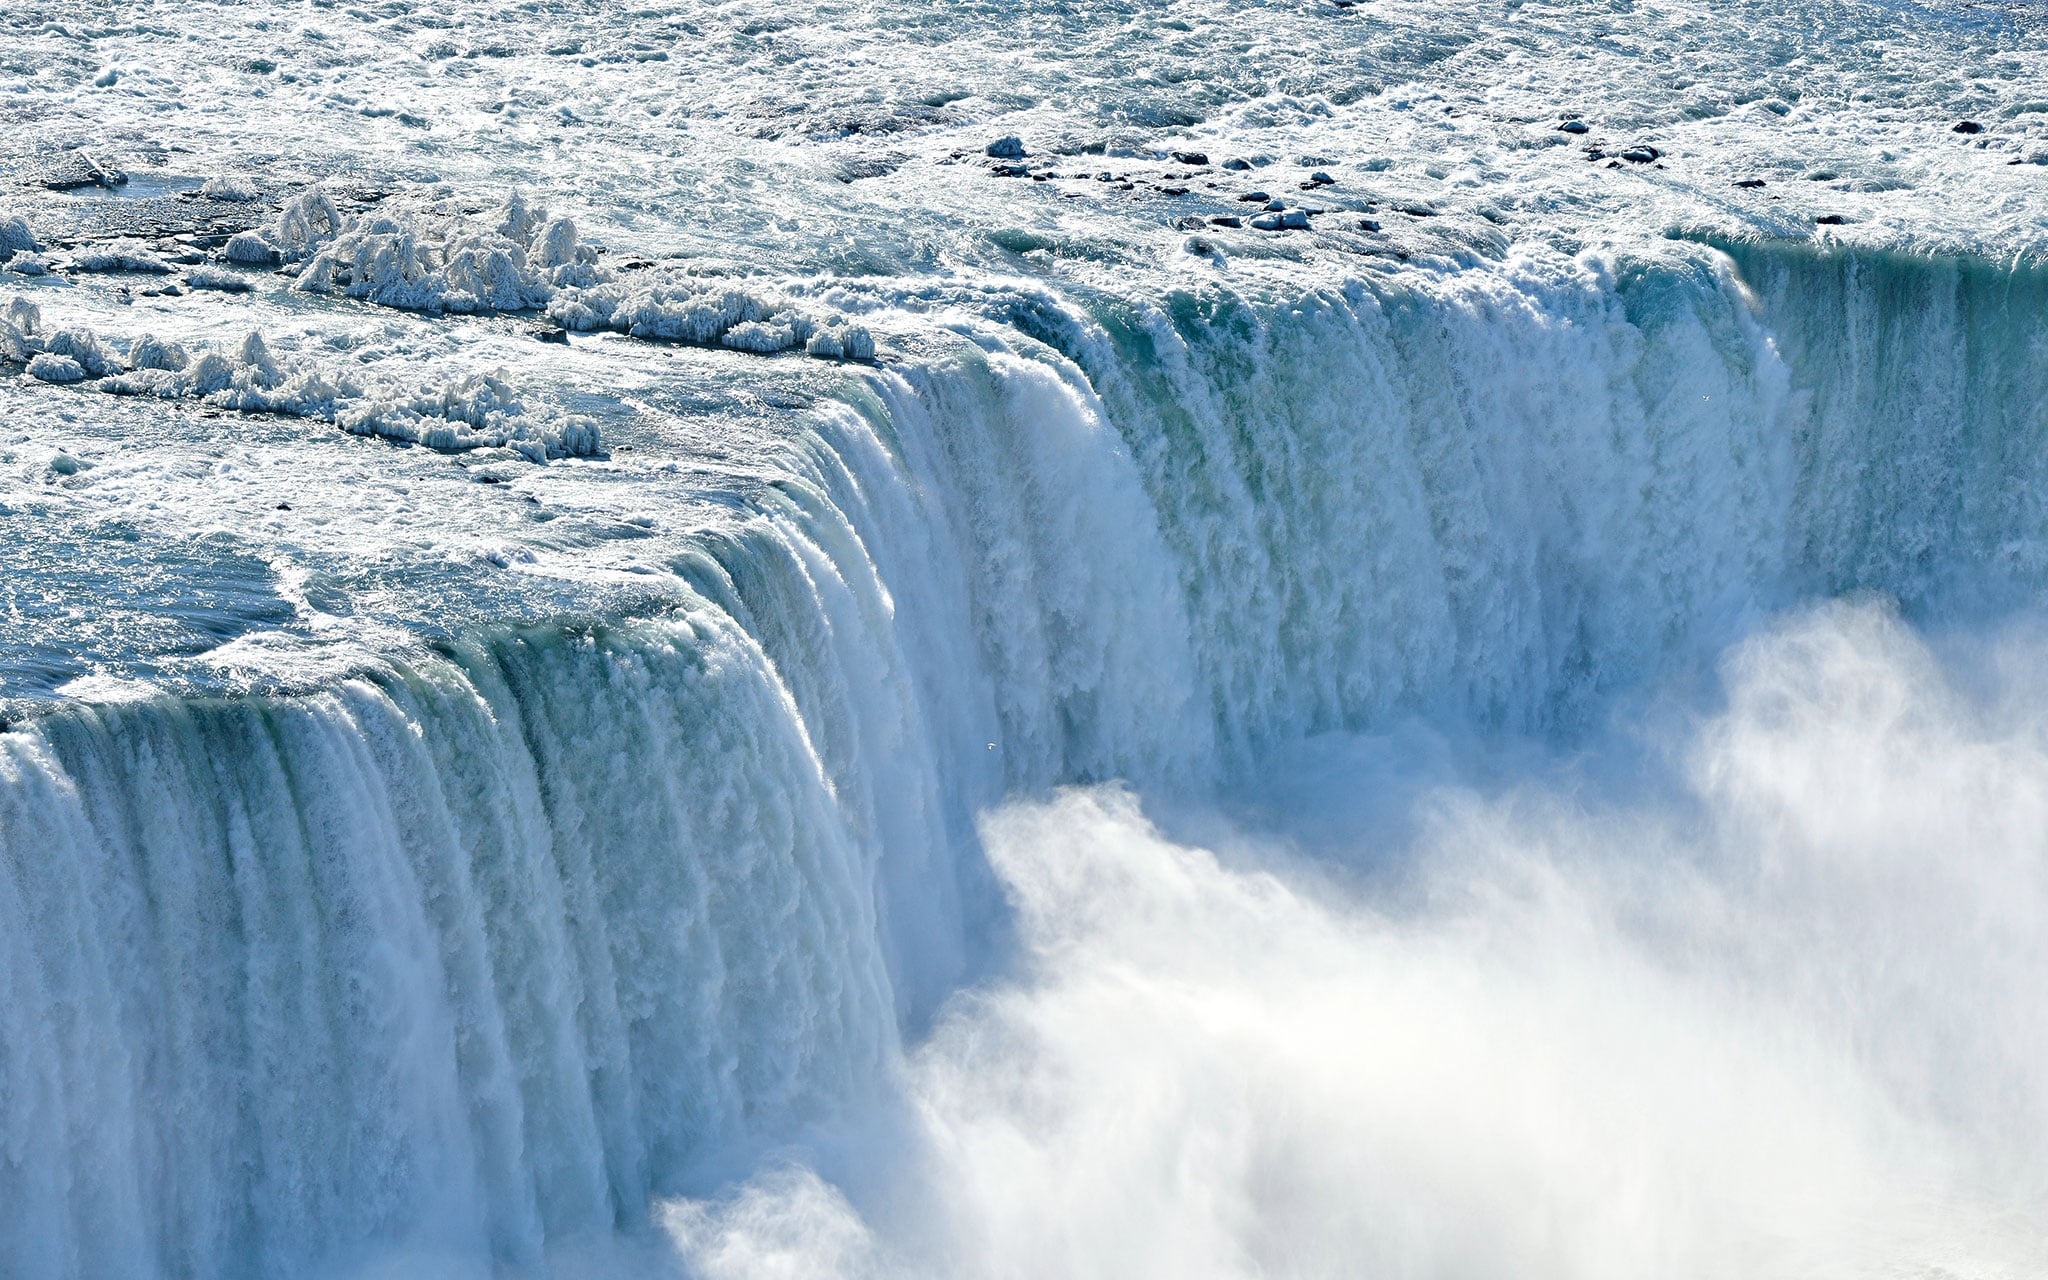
(469, 411)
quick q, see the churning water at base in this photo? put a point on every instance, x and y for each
(766, 924)
(1765, 1007)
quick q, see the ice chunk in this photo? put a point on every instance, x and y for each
(15, 236)
(307, 221)
(210, 373)
(164, 384)
(82, 346)
(425, 264)
(253, 248)
(50, 367)
(20, 331)
(554, 245)
(230, 188)
(766, 337)
(841, 341)
(217, 278)
(121, 255)
(152, 352)
(467, 412)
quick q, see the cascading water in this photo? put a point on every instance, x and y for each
(482, 952)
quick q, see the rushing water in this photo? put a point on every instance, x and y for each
(1516, 747)
(489, 949)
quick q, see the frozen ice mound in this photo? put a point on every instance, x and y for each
(431, 256)
(51, 367)
(121, 255)
(422, 258)
(477, 410)
(152, 352)
(16, 237)
(400, 263)
(307, 221)
(841, 340)
(232, 188)
(218, 279)
(451, 414)
(708, 315)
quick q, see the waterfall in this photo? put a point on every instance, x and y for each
(477, 953)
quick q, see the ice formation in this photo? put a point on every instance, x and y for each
(429, 257)
(121, 256)
(232, 188)
(217, 279)
(456, 414)
(15, 236)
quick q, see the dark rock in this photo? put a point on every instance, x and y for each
(1368, 224)
(1192, 222)
(1256, 197)
(1008, 147)
(1750, 184)
(1824, 175)
(557, 336)
(1238, 165)
(1191, 157)
(282, 506)
(1321, 179)
(1575, 127)
(1831, 220)
(1641, 155)
(1173, 191)
(1595, 153)
(1226, 220)
(1968, 126)
(1010, 171)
